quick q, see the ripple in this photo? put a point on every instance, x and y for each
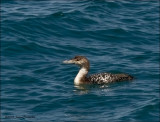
(116, 36)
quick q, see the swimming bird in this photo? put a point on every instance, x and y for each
(99, 78)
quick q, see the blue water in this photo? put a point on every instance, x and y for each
(115, 35)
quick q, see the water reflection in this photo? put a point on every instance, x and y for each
(86, 88)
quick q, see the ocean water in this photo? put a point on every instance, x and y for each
(115, 35)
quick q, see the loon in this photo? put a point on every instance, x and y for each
(99, 78)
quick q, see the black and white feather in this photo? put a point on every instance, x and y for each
(101, 78)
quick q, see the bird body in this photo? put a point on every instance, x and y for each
(99, 78)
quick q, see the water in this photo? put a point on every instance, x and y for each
(116, 36)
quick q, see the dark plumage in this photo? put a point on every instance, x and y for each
(101, 78)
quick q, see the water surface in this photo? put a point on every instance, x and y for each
(116, 36)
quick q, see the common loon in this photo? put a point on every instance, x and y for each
(99, 78)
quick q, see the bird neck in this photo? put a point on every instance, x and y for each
(80, 78)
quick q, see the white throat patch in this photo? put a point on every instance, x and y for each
(80, 76)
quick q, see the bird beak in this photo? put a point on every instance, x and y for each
(69, 62)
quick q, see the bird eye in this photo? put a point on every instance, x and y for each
(77, 59)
